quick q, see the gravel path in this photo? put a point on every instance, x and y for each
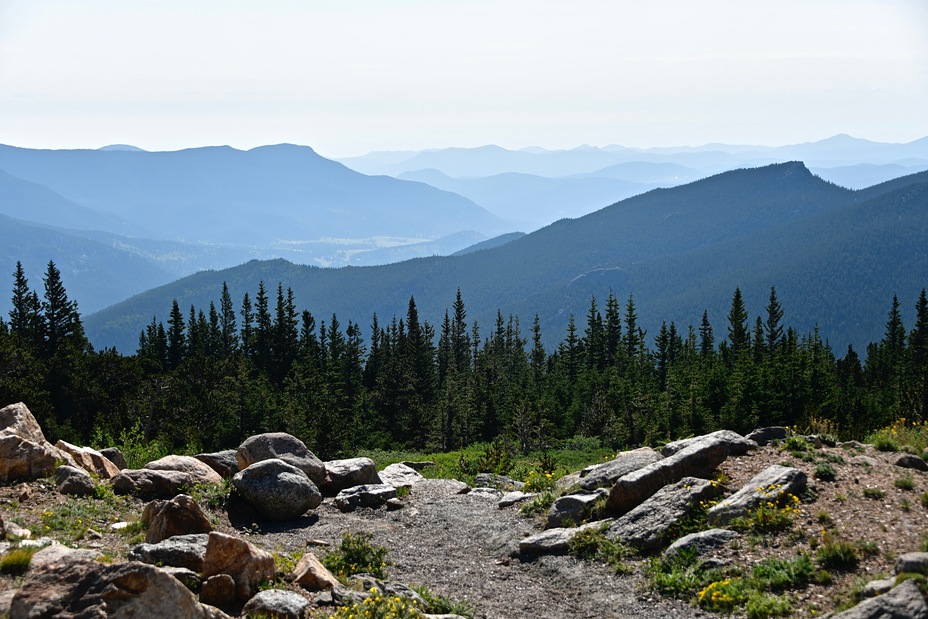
(459, 546)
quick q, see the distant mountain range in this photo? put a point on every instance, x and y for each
(836, 257)
(533, 187)
(152, 217)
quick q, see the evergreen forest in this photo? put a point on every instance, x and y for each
(211, 376)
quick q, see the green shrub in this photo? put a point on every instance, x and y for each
(538, 505)
(356, 555)
(723, 596)
(593, 544)
(795, 443)
(762, 605)
(776, 514)
(825, 472)
(884, 442)
(782, 574)
(905, 482)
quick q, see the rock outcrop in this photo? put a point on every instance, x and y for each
(771, 484)
(343, 474)
(281, 446)
(24, 452)
(607, 473)
(247, 564)
(198, 472)
(179, 516)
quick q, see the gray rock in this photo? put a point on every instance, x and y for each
(199, 472)
(864, 461)
(179, 516)
(648, 525)
(418, 465)
(500, 482)
(698, 459)
(554, 541)
(606, 474)
(278, 490)
(853, 445)
(92, 589)
(179, 551)
(90, 460)
(908, 461)
(114, 455)
(225, 463)
(74, 481)
(517, 496)
(281, 446)
(763, 436)
(912, 562)
(342, 474)
(219, 590)
(736, 444)
(188, 578)
(59, 553)
(702, 541)
(24, 452)
(151, 484)
(369, 495)
(568, 482)
(277, 604)
(248, 565)
(877, 587)
(769, 484)
(573, 508)
(400, 475)
(902, 602)
(366, 582)
(487, 493)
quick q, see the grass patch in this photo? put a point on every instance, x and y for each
(902, 433)
(539, 505)
(70, 520)
(440, 605)
(772, 516)
(16, 560)
(592, 544)
(837, 554)
(874, 493)
(906, 482)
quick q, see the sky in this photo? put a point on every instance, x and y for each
(352, 76)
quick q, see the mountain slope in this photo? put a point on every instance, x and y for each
(220, 194)
(96, 274)
(677, 250)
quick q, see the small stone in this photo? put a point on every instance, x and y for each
(277, 604)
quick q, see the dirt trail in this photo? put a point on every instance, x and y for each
(459, 546)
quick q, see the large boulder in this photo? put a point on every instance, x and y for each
(186, 551)
(647, 526)
(276, 489)
(698, 459)
(179, 516)
(912, 562)
(82, 588)
(90, 460)
(431, 489)
(736, 444)
(151, 483)
(771, 484)
(281, 446)
(74, 481)
(342, 474)
(498, 482)
(24, 453)
(606, 474)
(247, 564)
(223, 462)
(903, 602)
(370, 495)
(573, 509)
(400, 475)
(908, 461)
(199, 472)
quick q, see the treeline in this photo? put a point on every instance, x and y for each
(210, 377)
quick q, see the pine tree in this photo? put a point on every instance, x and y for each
(177, 341)
(227, 323)
(61, 316)
(773, 327)
(706, 337)
(738, 326)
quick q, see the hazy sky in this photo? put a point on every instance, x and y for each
(350, 76)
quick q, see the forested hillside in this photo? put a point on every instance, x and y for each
(212, 375)
(835, 255)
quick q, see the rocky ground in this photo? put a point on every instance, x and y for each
(462, 545)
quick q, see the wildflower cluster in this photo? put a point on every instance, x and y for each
(380, 606)
(776, 511)
(721, 595)
(537, 481)
(902, 435)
